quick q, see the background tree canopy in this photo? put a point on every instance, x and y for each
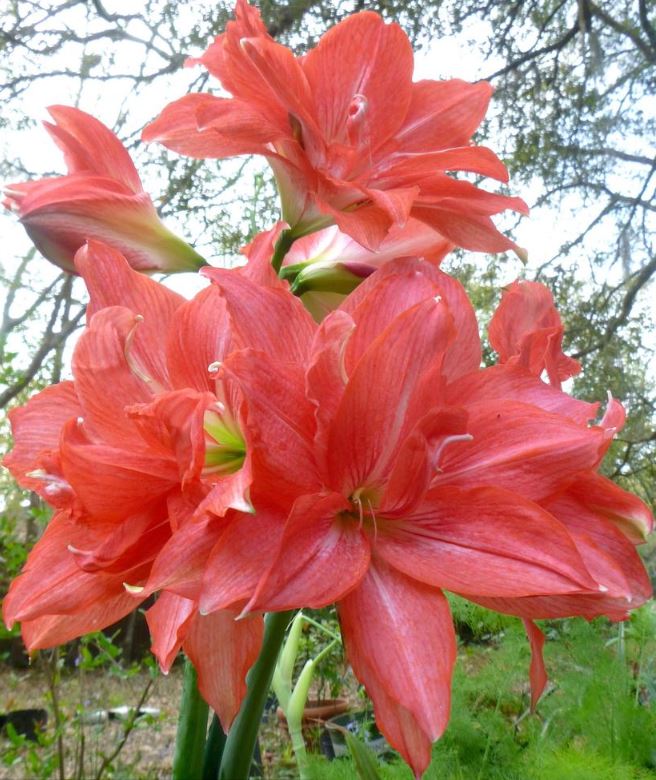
(573, 117)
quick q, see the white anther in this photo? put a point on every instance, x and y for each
(135, 590)
(214, 367)
(136, 370)
(448, 440)
(53, 479)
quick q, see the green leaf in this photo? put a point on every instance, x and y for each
(365, 761)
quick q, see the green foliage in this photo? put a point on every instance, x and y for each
(329, 675)
(596, 721)
(474, 623)
(36, 760)
(364, 759)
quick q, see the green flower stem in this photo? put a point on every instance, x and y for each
(321, 627)
(192, 727)
(240, 744)
(213, 749)
(296, 709)
(300, 751)
(283, 246)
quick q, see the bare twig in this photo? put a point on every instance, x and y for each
(533, 54)
(52, 677)
(127, 730)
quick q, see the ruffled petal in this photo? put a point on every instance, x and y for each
(322, 556)
(52, 583)
(610, 557)
(204, 126)
(626, 511)
(280, 423)
(461, 212)
(526, 329)
(90, 147)
(368, 224)
(259, 253)
(397, 286)
(100, 362)
(168, 621)
(511, 382)
(111, 482)
(266, 319)
(351, 92)
(485, 541)
(400, 642)
(53, 630)
(373, 415)
(223, 650)
(442, 115)
(325, 378)
(173, 423)
(282, 73)
(36, 429)
(244, 550)
(246, 24)
(519, 447)
(199, 336)
(111, 282)
(418, 457)
(180, 565)
(405, 169)
(620, 568)
(133, 542)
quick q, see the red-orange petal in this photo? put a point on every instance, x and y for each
(400, 642)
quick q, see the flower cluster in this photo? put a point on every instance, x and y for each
(236, 455)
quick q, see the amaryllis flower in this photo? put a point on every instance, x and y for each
(351, 139)
(421, 472)
(143, 455)
(101, 198)
(527, 329)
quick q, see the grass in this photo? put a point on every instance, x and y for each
(597, 720)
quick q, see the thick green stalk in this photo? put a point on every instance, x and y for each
(213, 749)
(192, 727)
(283, 245)
(240, 744)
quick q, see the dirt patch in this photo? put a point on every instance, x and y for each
(148, 752)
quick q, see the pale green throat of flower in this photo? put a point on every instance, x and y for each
(225, 448)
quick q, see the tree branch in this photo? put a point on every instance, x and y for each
(641, 279)
(621, 29)
(607, 151)
(647, 26)
(50, 342)
(535, 53)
